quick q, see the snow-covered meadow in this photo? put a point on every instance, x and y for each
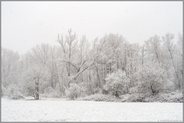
(92, 61)
(64, 110)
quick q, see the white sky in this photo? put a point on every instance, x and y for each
(25, 24)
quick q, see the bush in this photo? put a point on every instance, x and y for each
(117, 83)
(151, 80)
(166, 97)
(99, 97)
(12, 92)
(74, 91)
(133, 90)
(17, 96)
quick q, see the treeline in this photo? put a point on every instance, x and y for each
(79, 67)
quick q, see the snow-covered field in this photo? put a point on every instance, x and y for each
(62, 110)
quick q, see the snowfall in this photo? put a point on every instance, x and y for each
(65, 110)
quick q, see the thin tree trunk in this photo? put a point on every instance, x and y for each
(36, 89)
(178, 80)
(98, 76)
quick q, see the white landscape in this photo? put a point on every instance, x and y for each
(63, 110)
(97, 61)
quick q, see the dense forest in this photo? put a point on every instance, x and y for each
(106, 68)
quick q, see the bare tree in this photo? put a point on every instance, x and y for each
(68, 45)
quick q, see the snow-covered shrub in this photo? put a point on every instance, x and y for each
(133, 89)
(13, 92)
(151, 79)
(74, 91)
(117, 83)
(175, 96)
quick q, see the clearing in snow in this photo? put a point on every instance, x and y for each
(63, 110)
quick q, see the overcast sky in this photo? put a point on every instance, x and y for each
(25, 24)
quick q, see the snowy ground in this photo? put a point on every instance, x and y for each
(62, 110)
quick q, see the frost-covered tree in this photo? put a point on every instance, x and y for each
(75, 66)
(174, 57)
(107, 64)
(117, 83)
(68, 44)
(151, 79)
(107, 55)
(34, 77)
(153, 49)
(9, 72)
(74, 91)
